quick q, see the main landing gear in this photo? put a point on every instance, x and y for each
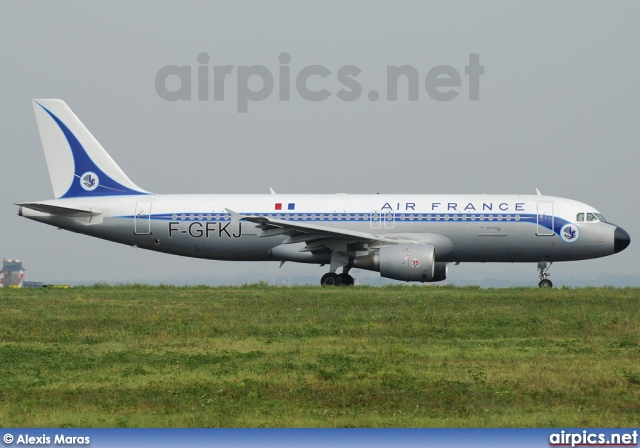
(543, 273)
(333, 279)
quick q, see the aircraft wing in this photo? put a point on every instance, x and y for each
(317, 237)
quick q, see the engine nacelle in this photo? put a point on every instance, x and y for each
(440, 271)
(407, 262)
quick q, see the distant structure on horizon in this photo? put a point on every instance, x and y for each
(12, 274)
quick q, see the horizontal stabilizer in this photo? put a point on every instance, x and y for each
(85, 216)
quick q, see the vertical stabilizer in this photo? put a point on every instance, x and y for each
(78, 165)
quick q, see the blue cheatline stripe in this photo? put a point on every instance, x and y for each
(487, 219)
(83, 164)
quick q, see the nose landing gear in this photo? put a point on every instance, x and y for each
(543, 273)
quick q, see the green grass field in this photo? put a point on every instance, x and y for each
(256, 356)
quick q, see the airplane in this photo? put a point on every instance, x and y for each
(407, 237)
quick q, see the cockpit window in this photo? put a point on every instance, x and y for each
(590, 217)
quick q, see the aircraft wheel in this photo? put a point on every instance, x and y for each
(330, 279)
(346, 279)
(546, 283)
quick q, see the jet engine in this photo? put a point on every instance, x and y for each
(406, 262)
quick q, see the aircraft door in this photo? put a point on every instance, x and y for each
(142, 218)
(375, 219)
(389, 220)
(545, 219)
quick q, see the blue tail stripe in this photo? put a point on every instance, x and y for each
(85, 170)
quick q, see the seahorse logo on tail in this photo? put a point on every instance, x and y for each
(89, 181)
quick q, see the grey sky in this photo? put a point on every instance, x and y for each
(559, 110)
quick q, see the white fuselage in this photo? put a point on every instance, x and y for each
(481, 228)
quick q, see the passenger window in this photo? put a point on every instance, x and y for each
(591, 217)
(580, 217)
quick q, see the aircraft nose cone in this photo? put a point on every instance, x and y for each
(621, 240)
